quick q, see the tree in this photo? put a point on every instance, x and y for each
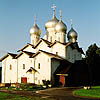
(92, 60)
(98, 51)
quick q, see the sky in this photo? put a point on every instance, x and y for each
(17, 17)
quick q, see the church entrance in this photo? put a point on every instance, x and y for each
(23, 79)
(62, 80)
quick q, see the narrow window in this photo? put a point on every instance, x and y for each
(38, 65)
(23, 66)
(51, 38)
(10, 68)
(56, 53)
(38, 81)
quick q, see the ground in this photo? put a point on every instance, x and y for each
(52, 93)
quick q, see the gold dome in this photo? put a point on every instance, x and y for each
(72, 35)
(61, 27)
(35, 30)
(51, 23)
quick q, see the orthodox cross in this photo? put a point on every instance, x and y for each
(35, 19)
(53, 9)
(71, 23)
(60, 12)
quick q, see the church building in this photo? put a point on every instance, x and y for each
(48, 58)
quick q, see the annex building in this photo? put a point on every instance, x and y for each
(47, 58)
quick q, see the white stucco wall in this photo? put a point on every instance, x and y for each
(61, 37)
(34, 39)
(45, 68)
(9, 76)
(60, 49)
(43, 46)
(51, 33)
(30, 49)
(24, 59)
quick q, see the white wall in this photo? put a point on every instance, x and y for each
(24, 59)
(9, 76)
(45, 68)
(29, 48)
(60, 49)
(61, 37)
(51, 33)
(43, 46)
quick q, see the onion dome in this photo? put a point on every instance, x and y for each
(61, 27)
(35, 29)
(52, 23)
(72, 35)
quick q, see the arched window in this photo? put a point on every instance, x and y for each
(38, 65)
(56, 53)
(10, 67)
(23, 66)
(51, 38)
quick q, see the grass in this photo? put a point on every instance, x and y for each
(94, 92)
(8, 96)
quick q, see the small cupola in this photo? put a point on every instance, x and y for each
(72, 34)
(35, 29)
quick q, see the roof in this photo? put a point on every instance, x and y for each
(32, 69)
(63, 68)
(65, 44)
(25, 47)
(47, 42)
(75, 46)
(11, 54)
(49, 54)
(28, 53)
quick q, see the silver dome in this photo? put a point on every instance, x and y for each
(51, 23)
(35, 30)
(61, 27)
(72, 35)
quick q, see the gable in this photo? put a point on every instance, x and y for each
(7, 55)
(74, 47)
(42, 46)
(27, 47)
(29, 54)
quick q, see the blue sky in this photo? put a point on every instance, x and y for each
(17, 17)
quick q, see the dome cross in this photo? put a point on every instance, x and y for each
(53, 9)
(60, 12)
(35, 20)
(71, 24)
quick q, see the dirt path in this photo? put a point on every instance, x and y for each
(53, 93)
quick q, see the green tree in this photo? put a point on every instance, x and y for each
(98, 51)
(92, 60)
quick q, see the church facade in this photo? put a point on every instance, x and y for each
(44, 58)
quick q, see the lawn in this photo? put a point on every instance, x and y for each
(94, 92)
(7, 96)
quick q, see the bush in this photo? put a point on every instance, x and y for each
(46, 83)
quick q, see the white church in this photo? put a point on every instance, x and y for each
(43, 58)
